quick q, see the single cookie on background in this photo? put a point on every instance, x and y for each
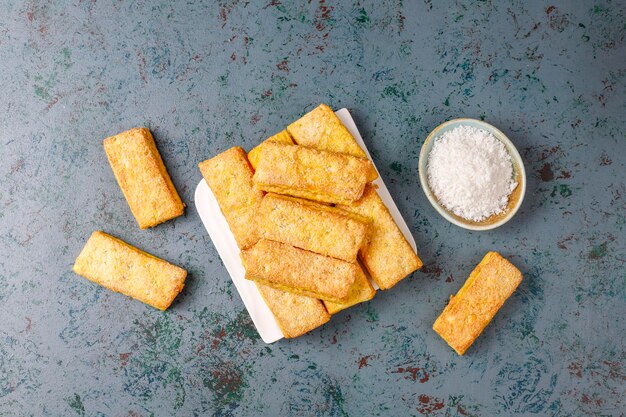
(361, 291)
(295, 314)
(322, 129)
(489, 285)
(387, 255)
(312, 226)
(309, 173)
(290, 269)
(254, 155)
(143, 178)
(123, 268)
(229, 176)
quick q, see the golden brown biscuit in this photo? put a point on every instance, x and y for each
(309, 173)
(121, 267)
(142, 176)
(287, 268)
(255, 154)
(387, 256)
(489, 285)
(360, 292)
(321, 129)
(311, 226)
(295, 314)
(229, 175)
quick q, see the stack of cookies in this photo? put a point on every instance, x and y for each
(307, 219)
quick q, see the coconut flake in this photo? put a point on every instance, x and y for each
(470, 172)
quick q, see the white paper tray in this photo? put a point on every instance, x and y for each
(224, 242)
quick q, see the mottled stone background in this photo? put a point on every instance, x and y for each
(205, 77)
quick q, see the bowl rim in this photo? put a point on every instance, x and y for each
(511, 149)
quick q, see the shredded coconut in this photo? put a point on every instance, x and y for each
(470, 172)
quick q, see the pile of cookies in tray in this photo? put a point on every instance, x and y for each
(304, 212)
(310, 225)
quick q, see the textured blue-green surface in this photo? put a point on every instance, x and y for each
(205, 77)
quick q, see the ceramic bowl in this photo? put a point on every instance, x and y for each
(516, 197)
